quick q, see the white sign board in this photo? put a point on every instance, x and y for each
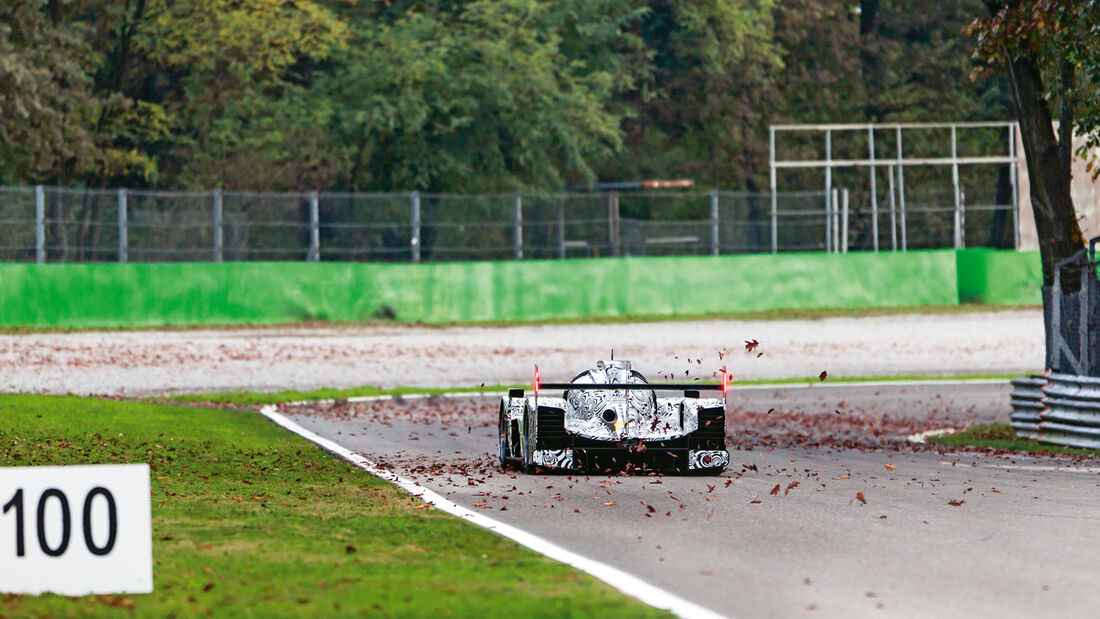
(76, 530)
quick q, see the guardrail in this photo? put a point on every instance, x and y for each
(1027, 404)
(1057, 409)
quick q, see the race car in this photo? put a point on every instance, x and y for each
(609, 419)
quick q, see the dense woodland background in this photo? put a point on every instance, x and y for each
(458, 96)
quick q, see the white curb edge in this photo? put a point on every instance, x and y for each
(922, 436)
(627, 583)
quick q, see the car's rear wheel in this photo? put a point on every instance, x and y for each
(502, 439)
(528, 440)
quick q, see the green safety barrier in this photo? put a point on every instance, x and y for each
(999, 277)
(133, 295)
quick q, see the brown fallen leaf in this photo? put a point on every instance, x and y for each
(956, 502)
(823, 375)
(775, 490)
(609, 503)
(208, 587)
(860, 497)
(787, 490)
(890, 467)
(750, 345)
(349, 549)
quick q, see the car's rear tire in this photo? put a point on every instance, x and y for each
(528, 440)
(502, 438)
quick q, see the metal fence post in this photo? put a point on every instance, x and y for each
(218, 240)
(844, 221)
(834, 201)
(561, 228)
(414, 243)
(613, 223)
(772, 185)
(874, 188)
(893, 214)
(714, 222)
(830, 206)
(1012, 179)
(1087, 274)
(901, 194)
(955, 184)
(518, 206)
(962, 218)
(314, 228)
(40, 223)
(123, 240)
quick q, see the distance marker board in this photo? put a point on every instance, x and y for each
(76, 530)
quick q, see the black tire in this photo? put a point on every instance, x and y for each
(502, 438)
(528, 439)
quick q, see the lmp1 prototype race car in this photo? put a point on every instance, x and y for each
(609, 419)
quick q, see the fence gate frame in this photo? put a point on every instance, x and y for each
(898, 164)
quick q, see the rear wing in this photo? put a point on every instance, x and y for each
(722, 386)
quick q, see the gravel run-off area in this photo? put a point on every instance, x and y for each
(142, 363)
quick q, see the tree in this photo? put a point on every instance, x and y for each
(479, 96)
(1048, 50)
(701, 105)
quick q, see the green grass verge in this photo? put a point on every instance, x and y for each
(1000, 436)
(249, 519)
(259, 398)
(776, 314)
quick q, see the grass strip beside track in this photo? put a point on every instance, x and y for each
(251, 520)
(1001, 437)
(258, 398)
(766, 315)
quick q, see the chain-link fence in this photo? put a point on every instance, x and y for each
(51, 224)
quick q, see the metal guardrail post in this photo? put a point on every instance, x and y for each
(518, 208)
(714, 222)
(414, 242)
(218, 240)
(123, 240)
(40, 224)
(314, 228)
(561, 228)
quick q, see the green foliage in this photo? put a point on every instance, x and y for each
(458, 95)
(250, 520)
(480, 96)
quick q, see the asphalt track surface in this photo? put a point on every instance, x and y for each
(862, 525)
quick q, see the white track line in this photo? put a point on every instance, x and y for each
(627, 583)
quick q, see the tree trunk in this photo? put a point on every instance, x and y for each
(1055, 219)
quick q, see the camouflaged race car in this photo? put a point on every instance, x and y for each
(609, 419)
